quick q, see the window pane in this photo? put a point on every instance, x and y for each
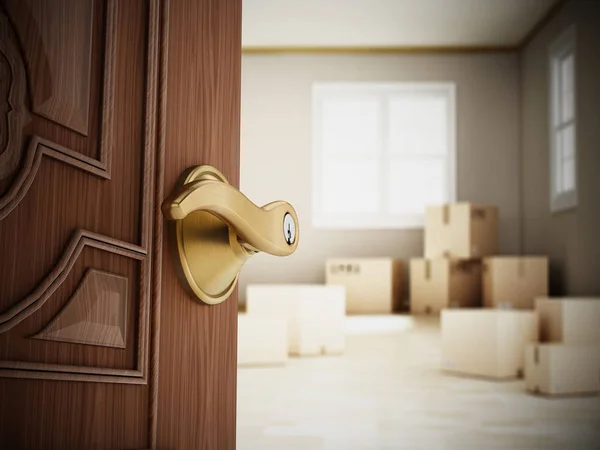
(567, 158)
(564, 160)
(567, 68)
(568, 175)
(567, 136)
(418, 123)
(351, 186)
(557, 157)
(416, 183)
(555, 100)
(567, 110)
(350, 126)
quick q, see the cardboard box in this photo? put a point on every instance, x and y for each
(487, 342)
(441, 283)
(569, 320)
(514, 281)
(562, 369)
(315, 315)
(373, 285)
(262, 340)
(461, 230)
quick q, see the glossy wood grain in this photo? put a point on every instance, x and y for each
(197, 365)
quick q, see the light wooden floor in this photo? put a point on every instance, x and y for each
(386, 392)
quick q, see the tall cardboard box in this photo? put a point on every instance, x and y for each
(373, 285)
(562, 369)
(514, 281)
(487, 342)
(441, 283)
(262, 340)
(315, 315)
(461, 230)
(569, 320)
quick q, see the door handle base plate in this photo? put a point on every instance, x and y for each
(206, 253)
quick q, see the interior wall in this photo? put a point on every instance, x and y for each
(571, 237)
(276, 147)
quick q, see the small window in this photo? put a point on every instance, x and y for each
(382, 153)
(563, 123)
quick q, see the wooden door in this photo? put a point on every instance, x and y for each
(103, 104)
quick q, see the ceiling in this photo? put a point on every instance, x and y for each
(390, 23)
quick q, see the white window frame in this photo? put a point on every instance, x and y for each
(381, 220)
(563, 46)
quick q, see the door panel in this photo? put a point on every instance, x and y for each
(61, 204)
(76, 216)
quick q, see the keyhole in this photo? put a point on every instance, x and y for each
(289, 229)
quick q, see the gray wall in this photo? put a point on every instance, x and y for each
(572, 239)
(276, 152)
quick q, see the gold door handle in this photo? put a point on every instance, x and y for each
(214, 229)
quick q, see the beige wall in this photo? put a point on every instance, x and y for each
(276, 150)
(572, 239)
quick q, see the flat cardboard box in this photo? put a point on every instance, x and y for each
(562, 369)
(315, 315)
(569, 320)
(487, 343)
(373, 285)
(441, 283)
(262, 340)
(514, 281)
(461, 230)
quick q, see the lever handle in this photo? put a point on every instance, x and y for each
(214, 229)
(262, 228)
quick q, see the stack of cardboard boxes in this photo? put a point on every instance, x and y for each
(553, 343)
(461, 267)
(457, 236)
(460, 273)
(567, 358)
